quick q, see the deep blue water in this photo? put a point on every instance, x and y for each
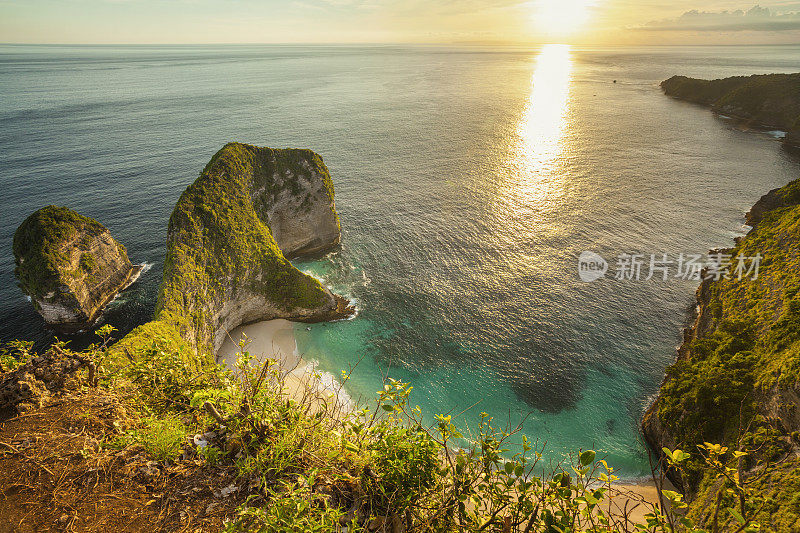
(468, 180)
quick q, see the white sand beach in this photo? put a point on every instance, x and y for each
(626, 498)
(274, 339)
(271, 339)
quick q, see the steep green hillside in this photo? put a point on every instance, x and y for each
(737, 378)
(221, 252)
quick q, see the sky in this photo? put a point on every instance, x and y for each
(603, 22)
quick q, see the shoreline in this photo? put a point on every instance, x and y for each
(275, 339)
(629, 495)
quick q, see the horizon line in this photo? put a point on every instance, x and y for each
(398, 43)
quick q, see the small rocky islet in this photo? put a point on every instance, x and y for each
(70, 266)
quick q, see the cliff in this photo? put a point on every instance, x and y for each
(228, 240)
(767, 101)
(70, 266)
(737, 377)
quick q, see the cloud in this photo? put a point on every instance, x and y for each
(755, 19)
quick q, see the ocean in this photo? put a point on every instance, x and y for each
(468, 180)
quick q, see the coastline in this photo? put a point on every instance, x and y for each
(275, 339)
(627, 498)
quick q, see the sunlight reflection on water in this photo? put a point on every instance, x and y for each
(535, 182)
(543, 123)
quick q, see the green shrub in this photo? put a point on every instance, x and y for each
(162, 438)
(291, 509)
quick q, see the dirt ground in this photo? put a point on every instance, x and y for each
(54, 476)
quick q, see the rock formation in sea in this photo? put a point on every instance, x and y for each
(764, 101)
(70, 266)
(228, 240)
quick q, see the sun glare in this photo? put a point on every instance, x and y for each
(526, 201)
(561, 18)
(542, 124)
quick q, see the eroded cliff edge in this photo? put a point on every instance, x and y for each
(227, 245)
(70, 266)
(737, 377)
(764, 100)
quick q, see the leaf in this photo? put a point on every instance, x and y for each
(739, 518)
(679, 455)
(587, 457)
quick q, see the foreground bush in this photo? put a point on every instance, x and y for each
(309, 465)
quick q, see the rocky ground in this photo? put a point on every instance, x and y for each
(60, 469)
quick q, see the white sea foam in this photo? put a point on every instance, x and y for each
(326, 382)
(144, 267)
(344, 292)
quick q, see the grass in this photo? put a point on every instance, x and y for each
(161, 438)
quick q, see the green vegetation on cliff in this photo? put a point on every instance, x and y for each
(771, 100)
(39, 247)
(295, 459)
(267, 456)
(218, 244)
(738, 380)
(222, 255)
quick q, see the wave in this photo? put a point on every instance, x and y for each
(342, 289)
(326, 382)
(118, 299)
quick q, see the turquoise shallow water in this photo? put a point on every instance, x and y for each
(468, 181)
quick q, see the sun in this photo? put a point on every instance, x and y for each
(561, 18)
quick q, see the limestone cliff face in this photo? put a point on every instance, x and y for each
(70, 266)
(228, 239)
(656, 430)
(298, 206)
